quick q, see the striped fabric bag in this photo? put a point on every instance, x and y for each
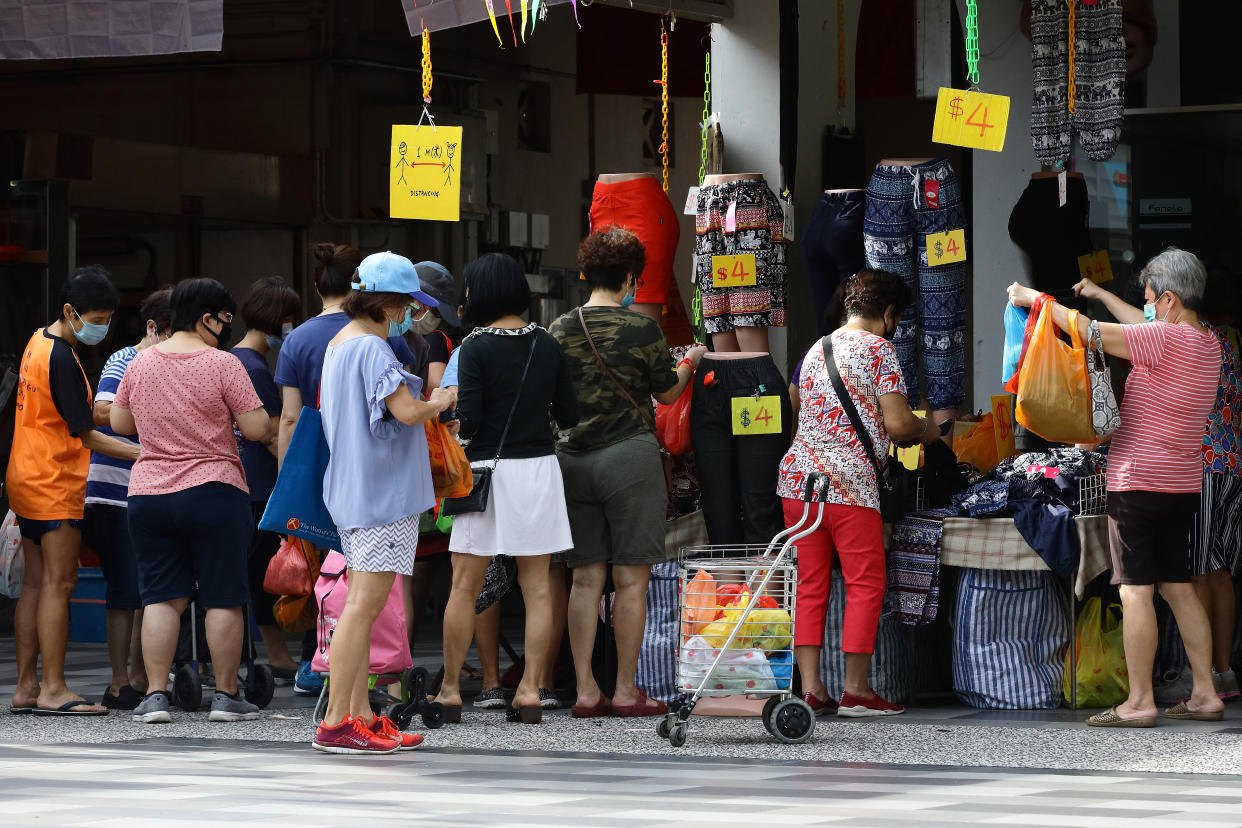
(890, 667)
(1010, 633)
(657, 660)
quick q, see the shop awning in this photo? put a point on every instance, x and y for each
(51, 29)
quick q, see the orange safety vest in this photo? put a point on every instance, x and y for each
(46, 477)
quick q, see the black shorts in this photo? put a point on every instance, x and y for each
(1149, 536)
(193, 543)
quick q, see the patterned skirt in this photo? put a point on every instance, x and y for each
(386, 548)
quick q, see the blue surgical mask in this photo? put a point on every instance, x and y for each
(274, 342)
(1149, 312)
(399, 328)
(627, 300)
(90, 334)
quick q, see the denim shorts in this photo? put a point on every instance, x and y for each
(34, 530)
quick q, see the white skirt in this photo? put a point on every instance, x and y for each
(525, 513)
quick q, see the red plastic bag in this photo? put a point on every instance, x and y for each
(673, 422)
(288, 572)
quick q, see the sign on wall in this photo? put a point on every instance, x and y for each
(424, 175)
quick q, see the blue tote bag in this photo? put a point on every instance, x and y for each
(296, 506)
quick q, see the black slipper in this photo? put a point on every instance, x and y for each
(127, 699)
(21, 710)
(67, 709)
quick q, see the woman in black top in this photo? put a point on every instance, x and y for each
(512, 375)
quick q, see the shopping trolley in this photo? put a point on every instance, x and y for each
(748, 650)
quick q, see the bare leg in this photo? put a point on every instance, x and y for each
(1139, 633)
(120, 626)
(349, 656)
(807, 656)
(629, 620)
(753, 339)
(1192, 623)
(26, 628)
(559, 602)
(487, 642)
(726, 342)
(161, 624)
(1215, 591)
(137, 669)
(60, 574)
(857, 669)
(224, 638)
(583, 619)
(468, 574)
(416, 587)
(533, 578)
(648, 309)
(277, 647)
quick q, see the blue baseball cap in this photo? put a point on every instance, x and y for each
(389, 273)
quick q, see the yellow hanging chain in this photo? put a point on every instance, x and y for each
(707, 114)
(1073, 47)
(841, 87)
(426, 65)
(664, 103)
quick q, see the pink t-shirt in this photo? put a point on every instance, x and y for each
(184, 405)
(1169, 395)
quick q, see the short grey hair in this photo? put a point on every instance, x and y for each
(1178, 272)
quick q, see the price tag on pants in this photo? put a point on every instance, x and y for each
(946, 248)
(1096, 267)
(760, 415)
(971, 119)
(734, 271)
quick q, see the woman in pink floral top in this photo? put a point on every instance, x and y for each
(826, 443)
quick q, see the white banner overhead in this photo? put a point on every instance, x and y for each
(49, 29)
(445, 14)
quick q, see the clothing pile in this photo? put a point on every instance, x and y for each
(1040, 490)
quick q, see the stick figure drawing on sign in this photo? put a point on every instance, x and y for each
(402, 148)
(450, 148)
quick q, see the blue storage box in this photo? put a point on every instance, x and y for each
(87, 614)
(782, 664)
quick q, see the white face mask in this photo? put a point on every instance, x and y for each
(427, 324)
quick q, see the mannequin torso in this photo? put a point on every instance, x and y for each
(904, 162)
(617, 178)
(725, 178)
(846, 190)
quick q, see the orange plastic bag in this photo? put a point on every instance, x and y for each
(1011, 385)
(673, 422)
(288, 572)
(450, 470)
(978, 446)
(1054, 392)
(700, 606)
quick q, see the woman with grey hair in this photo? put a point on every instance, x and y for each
(1155, 473)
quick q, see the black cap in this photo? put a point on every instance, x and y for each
(438, 282)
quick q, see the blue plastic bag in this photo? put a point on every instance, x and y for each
(1015, 331)
(296, 505)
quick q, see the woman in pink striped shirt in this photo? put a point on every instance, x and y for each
(1155, 474)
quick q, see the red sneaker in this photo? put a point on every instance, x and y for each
(386, 727)
(820, 707)
(352, 736)
(855, 707)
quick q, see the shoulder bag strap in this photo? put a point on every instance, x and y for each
(847, 403)
(534, 339)
(646, 416)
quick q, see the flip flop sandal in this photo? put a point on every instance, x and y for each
(1181, 711)
(21, 709)
(1109, 718)
(67, 709)
(598, 710)
(640, 708)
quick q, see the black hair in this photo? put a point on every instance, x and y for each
(609, 256)
(157, 308)
(834, 311)
(869, 292)
(89, 289)
(497, 287)
(268, 304)
(334, 268)
(193, 298)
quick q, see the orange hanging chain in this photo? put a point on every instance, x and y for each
(842, 89)
(663, 81)
(1073, 48)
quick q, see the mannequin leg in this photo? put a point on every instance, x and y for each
(726, 342)
(751, 339)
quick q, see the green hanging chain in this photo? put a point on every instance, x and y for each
(697, 303)
(972, 43)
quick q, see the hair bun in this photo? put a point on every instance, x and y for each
(325, 252)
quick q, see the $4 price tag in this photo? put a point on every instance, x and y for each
(946, 248)
(756, 416)
(734, 271)
(971, 119)
(1002, 422)
(1096, 267)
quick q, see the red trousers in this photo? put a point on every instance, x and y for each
(856, 534)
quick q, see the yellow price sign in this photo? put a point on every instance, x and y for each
(424, 173)
(911, 456)
(971, 119)
(1002, 425)
(1096, 267)
(945, 248)
(756, 415)
(734, 271)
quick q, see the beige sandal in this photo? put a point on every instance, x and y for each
(1109, 718)
(1182, 711)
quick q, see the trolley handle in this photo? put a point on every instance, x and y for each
(809, 490)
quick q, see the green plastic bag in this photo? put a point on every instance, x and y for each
(1103, 680)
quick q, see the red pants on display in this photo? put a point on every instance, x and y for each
(856, 535)
(640, 206)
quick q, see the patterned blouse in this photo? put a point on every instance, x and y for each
(1222, 444)
(826, 442)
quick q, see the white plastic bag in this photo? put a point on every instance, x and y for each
(745, 671)
(12, 559)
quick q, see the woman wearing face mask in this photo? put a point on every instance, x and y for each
(377, 483)
(268, 311)
(189, 506)
(53, 436)
(826, 443)
(107, 495)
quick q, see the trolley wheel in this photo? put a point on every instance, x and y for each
(416, 681)
(768, 709)
(793, 721)
(400, 714)
(187, 688)
(677, 735)
(433, 715)
(663, 728)
(260, 685)
(321, 705)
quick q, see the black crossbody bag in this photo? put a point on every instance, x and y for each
(895, 481)
(476, 501)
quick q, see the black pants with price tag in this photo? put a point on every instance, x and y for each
(738, 474)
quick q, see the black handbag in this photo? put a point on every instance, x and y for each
(476, 501)
(898, 485)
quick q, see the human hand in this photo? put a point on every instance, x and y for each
(453, 426)
(931, 433)
(695, 354)
(1021, 296)
(442, 399)
(1088, 289)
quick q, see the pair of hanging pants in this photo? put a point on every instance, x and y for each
(904, 204)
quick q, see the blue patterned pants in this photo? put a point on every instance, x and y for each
(904, 204)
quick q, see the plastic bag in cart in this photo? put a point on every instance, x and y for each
(700, 604)
(745, 671)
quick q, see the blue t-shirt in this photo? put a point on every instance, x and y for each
(450, 372)
(107, 480)
(300, 361)
(258, 462)
(378, 471)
